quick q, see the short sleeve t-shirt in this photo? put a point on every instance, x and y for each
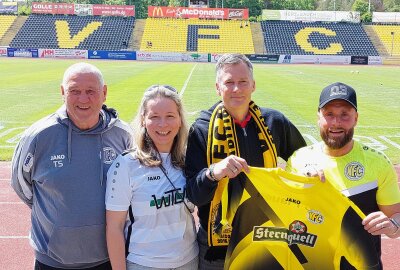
(160, 230)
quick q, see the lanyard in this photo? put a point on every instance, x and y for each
(166, 175)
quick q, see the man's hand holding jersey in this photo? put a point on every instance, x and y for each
(229, 167)
(378, 223)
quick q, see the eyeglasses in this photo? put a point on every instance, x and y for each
(156, 86)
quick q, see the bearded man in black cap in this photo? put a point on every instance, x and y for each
(364, 175)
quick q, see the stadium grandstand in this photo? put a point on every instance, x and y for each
(389, 38)
(284, 37)
(196, 35)
(74, 32)
(212, 30)
(5, 22)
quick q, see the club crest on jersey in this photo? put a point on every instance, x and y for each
(315, 217)
(109, 155)
(296, 234)
(354, 171)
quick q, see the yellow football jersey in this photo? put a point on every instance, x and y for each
(287, 221)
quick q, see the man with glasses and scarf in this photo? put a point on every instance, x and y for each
(223, 142)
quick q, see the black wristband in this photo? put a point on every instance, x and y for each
(211, 170)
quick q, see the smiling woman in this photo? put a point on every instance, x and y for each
(149, 183)
(162, 121)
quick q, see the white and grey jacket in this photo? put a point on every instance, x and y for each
(59, 171)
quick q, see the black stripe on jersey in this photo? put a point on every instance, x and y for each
(361, 241)
(128, 236)
(245, 218)
(366, 201)
(246, 212)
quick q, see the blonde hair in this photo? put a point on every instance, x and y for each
(146, 152)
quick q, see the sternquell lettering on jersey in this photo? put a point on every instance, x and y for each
(354, 171)
(109, 155)
(57, 160)
(315, 217)
(170, 198)
(296, 234)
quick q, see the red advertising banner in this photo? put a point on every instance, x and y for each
(113, 10)
(201, 13)
(3, 51)
(52, 8)
(234, 13)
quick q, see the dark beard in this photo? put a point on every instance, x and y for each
(338, 142)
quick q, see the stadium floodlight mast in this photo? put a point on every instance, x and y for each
(222, 3)
(391, 52)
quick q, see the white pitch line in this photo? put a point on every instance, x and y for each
(11, 203)
(358, 126)
(187, 81)
(13, 237)
(193, 113)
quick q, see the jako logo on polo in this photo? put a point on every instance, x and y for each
(109, 155)
(28, 162)
(354, 170)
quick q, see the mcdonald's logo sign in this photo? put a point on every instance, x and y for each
(158, 12)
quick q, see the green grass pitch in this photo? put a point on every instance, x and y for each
(30, 89)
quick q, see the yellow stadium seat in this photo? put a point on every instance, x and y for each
(5, 22)
(390, 37)
(195, 35)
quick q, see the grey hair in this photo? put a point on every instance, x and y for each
(82, 68)
(232, 59)
(146, 151)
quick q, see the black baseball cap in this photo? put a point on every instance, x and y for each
(336, 91)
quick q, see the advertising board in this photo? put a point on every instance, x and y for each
(15, 52)
(116, 55)
(63, 53)
(201, 13)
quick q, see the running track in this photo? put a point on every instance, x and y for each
(16, 254)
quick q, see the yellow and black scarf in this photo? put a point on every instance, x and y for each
(222, 142)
